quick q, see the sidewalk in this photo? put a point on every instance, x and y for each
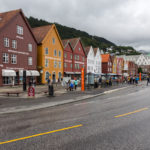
(14, 105)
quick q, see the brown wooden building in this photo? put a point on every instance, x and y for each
(106, 63)
(18, 48)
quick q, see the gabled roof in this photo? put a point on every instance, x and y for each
(74, 42)
(41, 32)
(105, 58)
(65, 43)
(95, 50)
(7, 17)
(87, 49)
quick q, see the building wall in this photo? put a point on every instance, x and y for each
(90, 61)
(48, 43)
(98, 63)
(82, 63)
(10, 31)
(68, 50)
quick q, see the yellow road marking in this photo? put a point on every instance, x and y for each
(35, 135)
(136, 111)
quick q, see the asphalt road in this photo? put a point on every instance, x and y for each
(115, 121)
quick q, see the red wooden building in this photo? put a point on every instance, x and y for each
(18, 48)
(106, 63)
(74, 57)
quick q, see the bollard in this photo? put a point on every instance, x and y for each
(51, 90)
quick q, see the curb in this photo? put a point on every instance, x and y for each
(47, 105)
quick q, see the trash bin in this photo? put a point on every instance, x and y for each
(51, 90)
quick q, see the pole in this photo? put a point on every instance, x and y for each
(140, 76)
(82, 79)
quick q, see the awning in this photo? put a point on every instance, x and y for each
(69, 72)
(8, 73)
(111, 74)
(34, 73)
(28, 73)
(77, 73)
(125, 74)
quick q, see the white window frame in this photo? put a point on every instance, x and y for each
(46, 51)
(53, 40)
(30, 47)
(30, 61)
(71, 66)
(5, 58)
(46, 62)
(55, 52)
(46, 75)
(65, 55)
(59, 53)
(60, 64)
(55, 64)
(19, 30)
(71, 56)
(6, 42)
(13, 59)
(65, 65)
(14, 44)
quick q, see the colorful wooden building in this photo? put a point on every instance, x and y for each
(50, 53)
(18, 48)
(78, 57)
(106, 63)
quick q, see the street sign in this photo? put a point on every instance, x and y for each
(31, 91)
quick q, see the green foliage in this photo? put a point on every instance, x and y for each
(67, 32)
(140, 70)
(87, 40)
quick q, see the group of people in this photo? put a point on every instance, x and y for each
(71, 85)
(133, 79)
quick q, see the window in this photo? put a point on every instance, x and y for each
(7, 80)
(14, 44)
(46, 62)
(30, 47)
(82, 58)
(55, 64)
(65, 55)
(59, 53)
(6, 42)
(75, 57)
(70, 65)
(75, 66)
(53, 40)
(59, 64)
(55, 53)
(70, 56)
(30, 61)
(46, 76)
(83, 66)
(46, 51)
(13, 59)
(65, 65)
(79, 49)
(20, 30)
(5, 58)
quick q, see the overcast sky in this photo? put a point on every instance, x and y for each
(124, 22)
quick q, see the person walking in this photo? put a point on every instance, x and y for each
(75, 84)
(147, 80)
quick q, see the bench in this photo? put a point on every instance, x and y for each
(13, 93)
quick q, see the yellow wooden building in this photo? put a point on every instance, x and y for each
(49, 54)
(114, 67)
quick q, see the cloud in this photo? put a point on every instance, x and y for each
(122, 22)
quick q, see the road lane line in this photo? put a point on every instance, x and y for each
(133, 112)
(36, 135)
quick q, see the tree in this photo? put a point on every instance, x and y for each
(140, 70)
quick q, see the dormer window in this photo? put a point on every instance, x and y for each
(19, 30)
(53, 40)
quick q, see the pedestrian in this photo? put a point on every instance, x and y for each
(75, 84)
(133, 80)
(147, 80)
(71, 86)
(68, 85)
